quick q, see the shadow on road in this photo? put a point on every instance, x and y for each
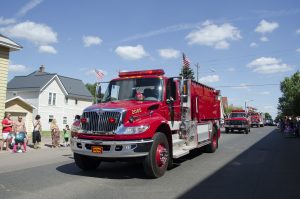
(114, 170)
(268, 169)
(120, 170)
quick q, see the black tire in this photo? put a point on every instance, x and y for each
(212, 147)
(86, 162)
(226, 130)
(151, 167)
(247, 130)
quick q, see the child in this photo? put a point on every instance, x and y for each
(20, 140)
(67, 133)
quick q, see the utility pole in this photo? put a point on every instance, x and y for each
(197, 66)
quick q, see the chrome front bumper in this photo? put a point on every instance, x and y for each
(112, 149)
(236, 126)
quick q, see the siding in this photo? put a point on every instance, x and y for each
(17, 106)
(4, 58)
(61, 109)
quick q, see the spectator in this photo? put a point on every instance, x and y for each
(36, 134)
(7, 134)
(55, 134)
(21, 134)
(67, 133)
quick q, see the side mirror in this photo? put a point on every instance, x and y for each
(98, 93)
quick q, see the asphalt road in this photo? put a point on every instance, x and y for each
(262, 164)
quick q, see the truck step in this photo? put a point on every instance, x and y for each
(178, 143)
(175, 136)
(179, 153)
(190, 147)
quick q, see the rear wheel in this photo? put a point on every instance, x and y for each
(86, 162)
(212, 147)
(156, 163)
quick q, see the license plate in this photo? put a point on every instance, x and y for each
(97, 149)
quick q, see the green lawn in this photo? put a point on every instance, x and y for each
(46, 133)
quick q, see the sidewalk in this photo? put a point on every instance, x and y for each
(46, 143)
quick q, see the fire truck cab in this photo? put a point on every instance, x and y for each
(148, 117)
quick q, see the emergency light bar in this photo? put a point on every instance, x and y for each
(142, 72)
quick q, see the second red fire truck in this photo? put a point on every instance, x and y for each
(147, 116)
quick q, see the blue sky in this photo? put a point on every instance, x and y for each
(238, 43)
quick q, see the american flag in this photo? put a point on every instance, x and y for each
(99, 74)
(186, 62)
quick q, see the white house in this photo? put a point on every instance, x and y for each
(53, 95)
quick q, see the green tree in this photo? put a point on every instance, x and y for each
(229, 109)
(92, 89)
(289, 102)
(187, 73)
(268, 116)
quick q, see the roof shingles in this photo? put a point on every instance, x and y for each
(37, 80)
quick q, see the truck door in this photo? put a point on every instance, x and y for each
(173, 101)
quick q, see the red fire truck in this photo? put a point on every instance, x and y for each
(147, 116)
(257, 118)
(238, 120)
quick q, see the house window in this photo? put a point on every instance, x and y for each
(76, 101)
(54, 99)
(65, 120)
(66, 100)
(50, 99)
(50, 118)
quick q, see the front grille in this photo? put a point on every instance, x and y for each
(98, 122)
(236, 122)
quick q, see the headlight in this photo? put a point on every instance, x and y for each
(133, 130)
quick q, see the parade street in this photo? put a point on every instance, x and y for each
(262, 164)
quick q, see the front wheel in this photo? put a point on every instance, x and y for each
(86, 162)
(226, 130)
(156, 163)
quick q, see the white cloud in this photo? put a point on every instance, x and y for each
(266, 27)
(210, 79)
(16, 68)
(298, 31)
(210, 34)
(47, 49)
(265, 93)
(5, 22)
(231, 69)
(169, 53)
(27, 7)
(268, 65)
(298, 50)
(264, 39)
(168, 29)
(131, 52)
(91, 40)
(39, 34)
(253, 44)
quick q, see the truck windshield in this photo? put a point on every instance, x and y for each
(233, 115)
(145, 89)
